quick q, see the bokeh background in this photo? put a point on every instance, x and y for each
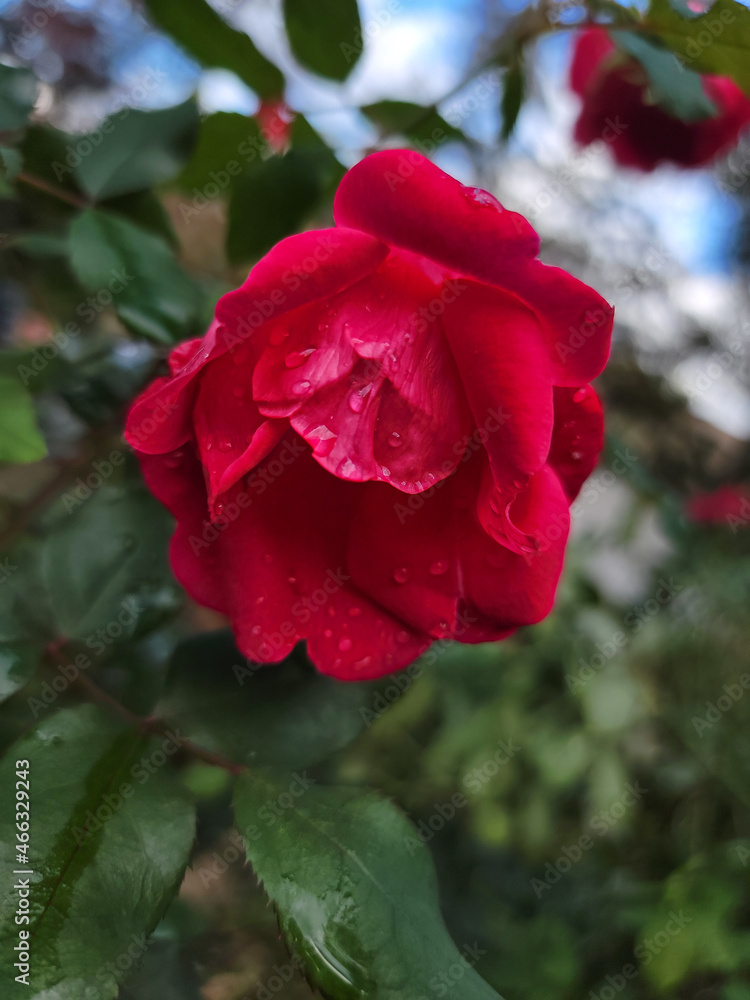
(597, 766)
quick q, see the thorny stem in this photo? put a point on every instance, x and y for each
(152, 725)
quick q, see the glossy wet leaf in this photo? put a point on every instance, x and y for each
(285, 714)
(207, 37)
(136, 272)
(513, 92)
(20, 439)
(325, 35)
(675, 88)
(104, 565)
(355, 890)
(109, 838)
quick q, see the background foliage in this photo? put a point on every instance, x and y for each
(562, 815)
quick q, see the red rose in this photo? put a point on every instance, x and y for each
(728, 505)
(376, 443)
(617, 109)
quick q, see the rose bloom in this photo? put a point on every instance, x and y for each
(275, 117)
(728, 505)
(376, 443)
(616, 108)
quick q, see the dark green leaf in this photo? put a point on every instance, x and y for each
(105, 566)
(715, 42)
(229, 145)
(210, 40)
(145, 209)
(675, 88)
(166, 974)
(325, 35)
(18, 89)
(20, 440)
(285, 714)
(134, 150)
(355, 890)
(413, 120)
(513, 92)
(109, 840)
(271, 203)
(138, 273)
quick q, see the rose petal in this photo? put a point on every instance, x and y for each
(577, 437)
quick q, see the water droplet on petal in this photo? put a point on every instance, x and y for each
(401, 574)
(363, 664)
(292, 580)
(354, 611)
(297, 358)
(576, 455)
(345, 644)
(346, 469)
(255, 630)
(278, 336)
(478, 196)
(300, 388)
(386, 471)
(238, 391)
(224, 445)
(268, 558)
(357, 398)
(580, 394)
(395, 440)
(331, 611)
(327, 633)
(402, 636)
(439, 567)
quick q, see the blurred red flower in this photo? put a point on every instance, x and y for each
(376, 443)
(617, 109)
(275, 119)
(729, 505)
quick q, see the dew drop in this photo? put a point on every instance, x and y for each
(439, 567)
(278, 336)
(327, 633)
(576, 455)
(224, 445)
(354, 611)
(331, 611)
(478, 196)
(364, 663)
(292, 580)
(238, 391)
(386, 471)
(580, 395)
(297, 358)
(395, 440)
(345, 643)
(173, 461)
(401, 574)
(346, 468)
(402, 636)
(357, 398)
(255, 630)
(300, 388)
(268, 558)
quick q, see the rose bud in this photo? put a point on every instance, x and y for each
(377, 442)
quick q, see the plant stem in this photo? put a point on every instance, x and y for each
(51, 189)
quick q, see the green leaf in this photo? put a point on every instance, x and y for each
(109, 839)
(164, 975)
(325, 35)
(195, 26)
(20, 440)
(229, 145)
(513, 93)
(18, 90)
(151, 293)
(286, 714)
(105, 566)
(715, 42)
(133, 150)
(18, 663)
(271, 203)
(675, 88)
(355, 891)
(421, 124)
